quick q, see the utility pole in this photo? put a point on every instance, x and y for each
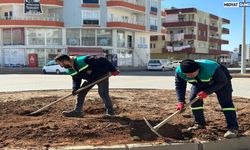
(243, 51)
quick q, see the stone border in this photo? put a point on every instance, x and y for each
(241, 143)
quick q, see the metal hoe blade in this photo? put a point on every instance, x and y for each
(152, 128)
(155, 128)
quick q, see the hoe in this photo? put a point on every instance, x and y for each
(60, 99)
(155, 128)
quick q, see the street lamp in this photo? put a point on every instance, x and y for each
(243, 51)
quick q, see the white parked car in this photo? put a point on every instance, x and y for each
(174, 64)
(159, 64)
(53, 67)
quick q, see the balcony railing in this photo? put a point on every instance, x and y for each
(123, 20)
(43, 18)
(131, 2)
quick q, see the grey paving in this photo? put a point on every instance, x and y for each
(25, 82)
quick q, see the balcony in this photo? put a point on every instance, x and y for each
(180, 23)
(43, 2)
(225, 31)
(189, 36)
(218, 41)
(125, 23)
(180, 49)
(213, 28)
(225, 21)
(138, 7)
(217, 52)
(31, 21)
(213, 17)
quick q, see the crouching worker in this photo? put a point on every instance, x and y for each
(89, 68)
(206, 77)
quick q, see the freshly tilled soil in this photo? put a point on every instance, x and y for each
(50, 129)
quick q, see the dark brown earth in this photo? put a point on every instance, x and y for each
(50, 128)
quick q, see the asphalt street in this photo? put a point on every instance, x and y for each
(143, 79)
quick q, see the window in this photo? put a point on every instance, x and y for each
(90, 17)
(130, 41)
(14, 36)
(54, 37)
(88, 37)
(154, 5)
(90, 1)
(73, 36)
(6, 36)
(104, 37)
(153, 23)
(120, 39)
(36, 36)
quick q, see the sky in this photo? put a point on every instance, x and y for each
(217, 8)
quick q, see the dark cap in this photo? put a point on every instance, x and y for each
(189, 66)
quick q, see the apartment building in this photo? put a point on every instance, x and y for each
(192, 34)
(30, 38)
(118, 29)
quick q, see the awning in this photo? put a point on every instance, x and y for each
(76, 51)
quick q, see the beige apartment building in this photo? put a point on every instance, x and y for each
(191, 33)
(30, 38)
(117, 29)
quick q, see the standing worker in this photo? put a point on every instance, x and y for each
(206, 77)
(89, 68)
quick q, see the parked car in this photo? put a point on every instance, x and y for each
(174, 64)
(158, 64)
(53, 67)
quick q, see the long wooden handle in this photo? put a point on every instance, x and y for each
(79, 90)
(175, 113)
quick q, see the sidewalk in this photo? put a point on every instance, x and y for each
(123, 69)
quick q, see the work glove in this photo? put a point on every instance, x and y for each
(74, 91)
(202, 95)
(180, 106)
(115, 73)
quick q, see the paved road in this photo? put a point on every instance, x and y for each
(147, 80)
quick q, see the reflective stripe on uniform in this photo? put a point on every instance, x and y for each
(83, 68)
(206, 80)
(191, 80)
(197, 108)
(228, 109)
(72, 74)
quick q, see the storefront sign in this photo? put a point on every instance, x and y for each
(14, 57)
(32, 6)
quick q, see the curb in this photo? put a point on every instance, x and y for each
(241, 143)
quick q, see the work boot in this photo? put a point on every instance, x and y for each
(72, 113)
(196, 127)
(109, 115)
(231, 133)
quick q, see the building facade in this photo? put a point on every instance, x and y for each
(117, 29)
(191, 34)
(30, 38)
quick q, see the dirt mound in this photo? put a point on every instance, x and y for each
(50, 128)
